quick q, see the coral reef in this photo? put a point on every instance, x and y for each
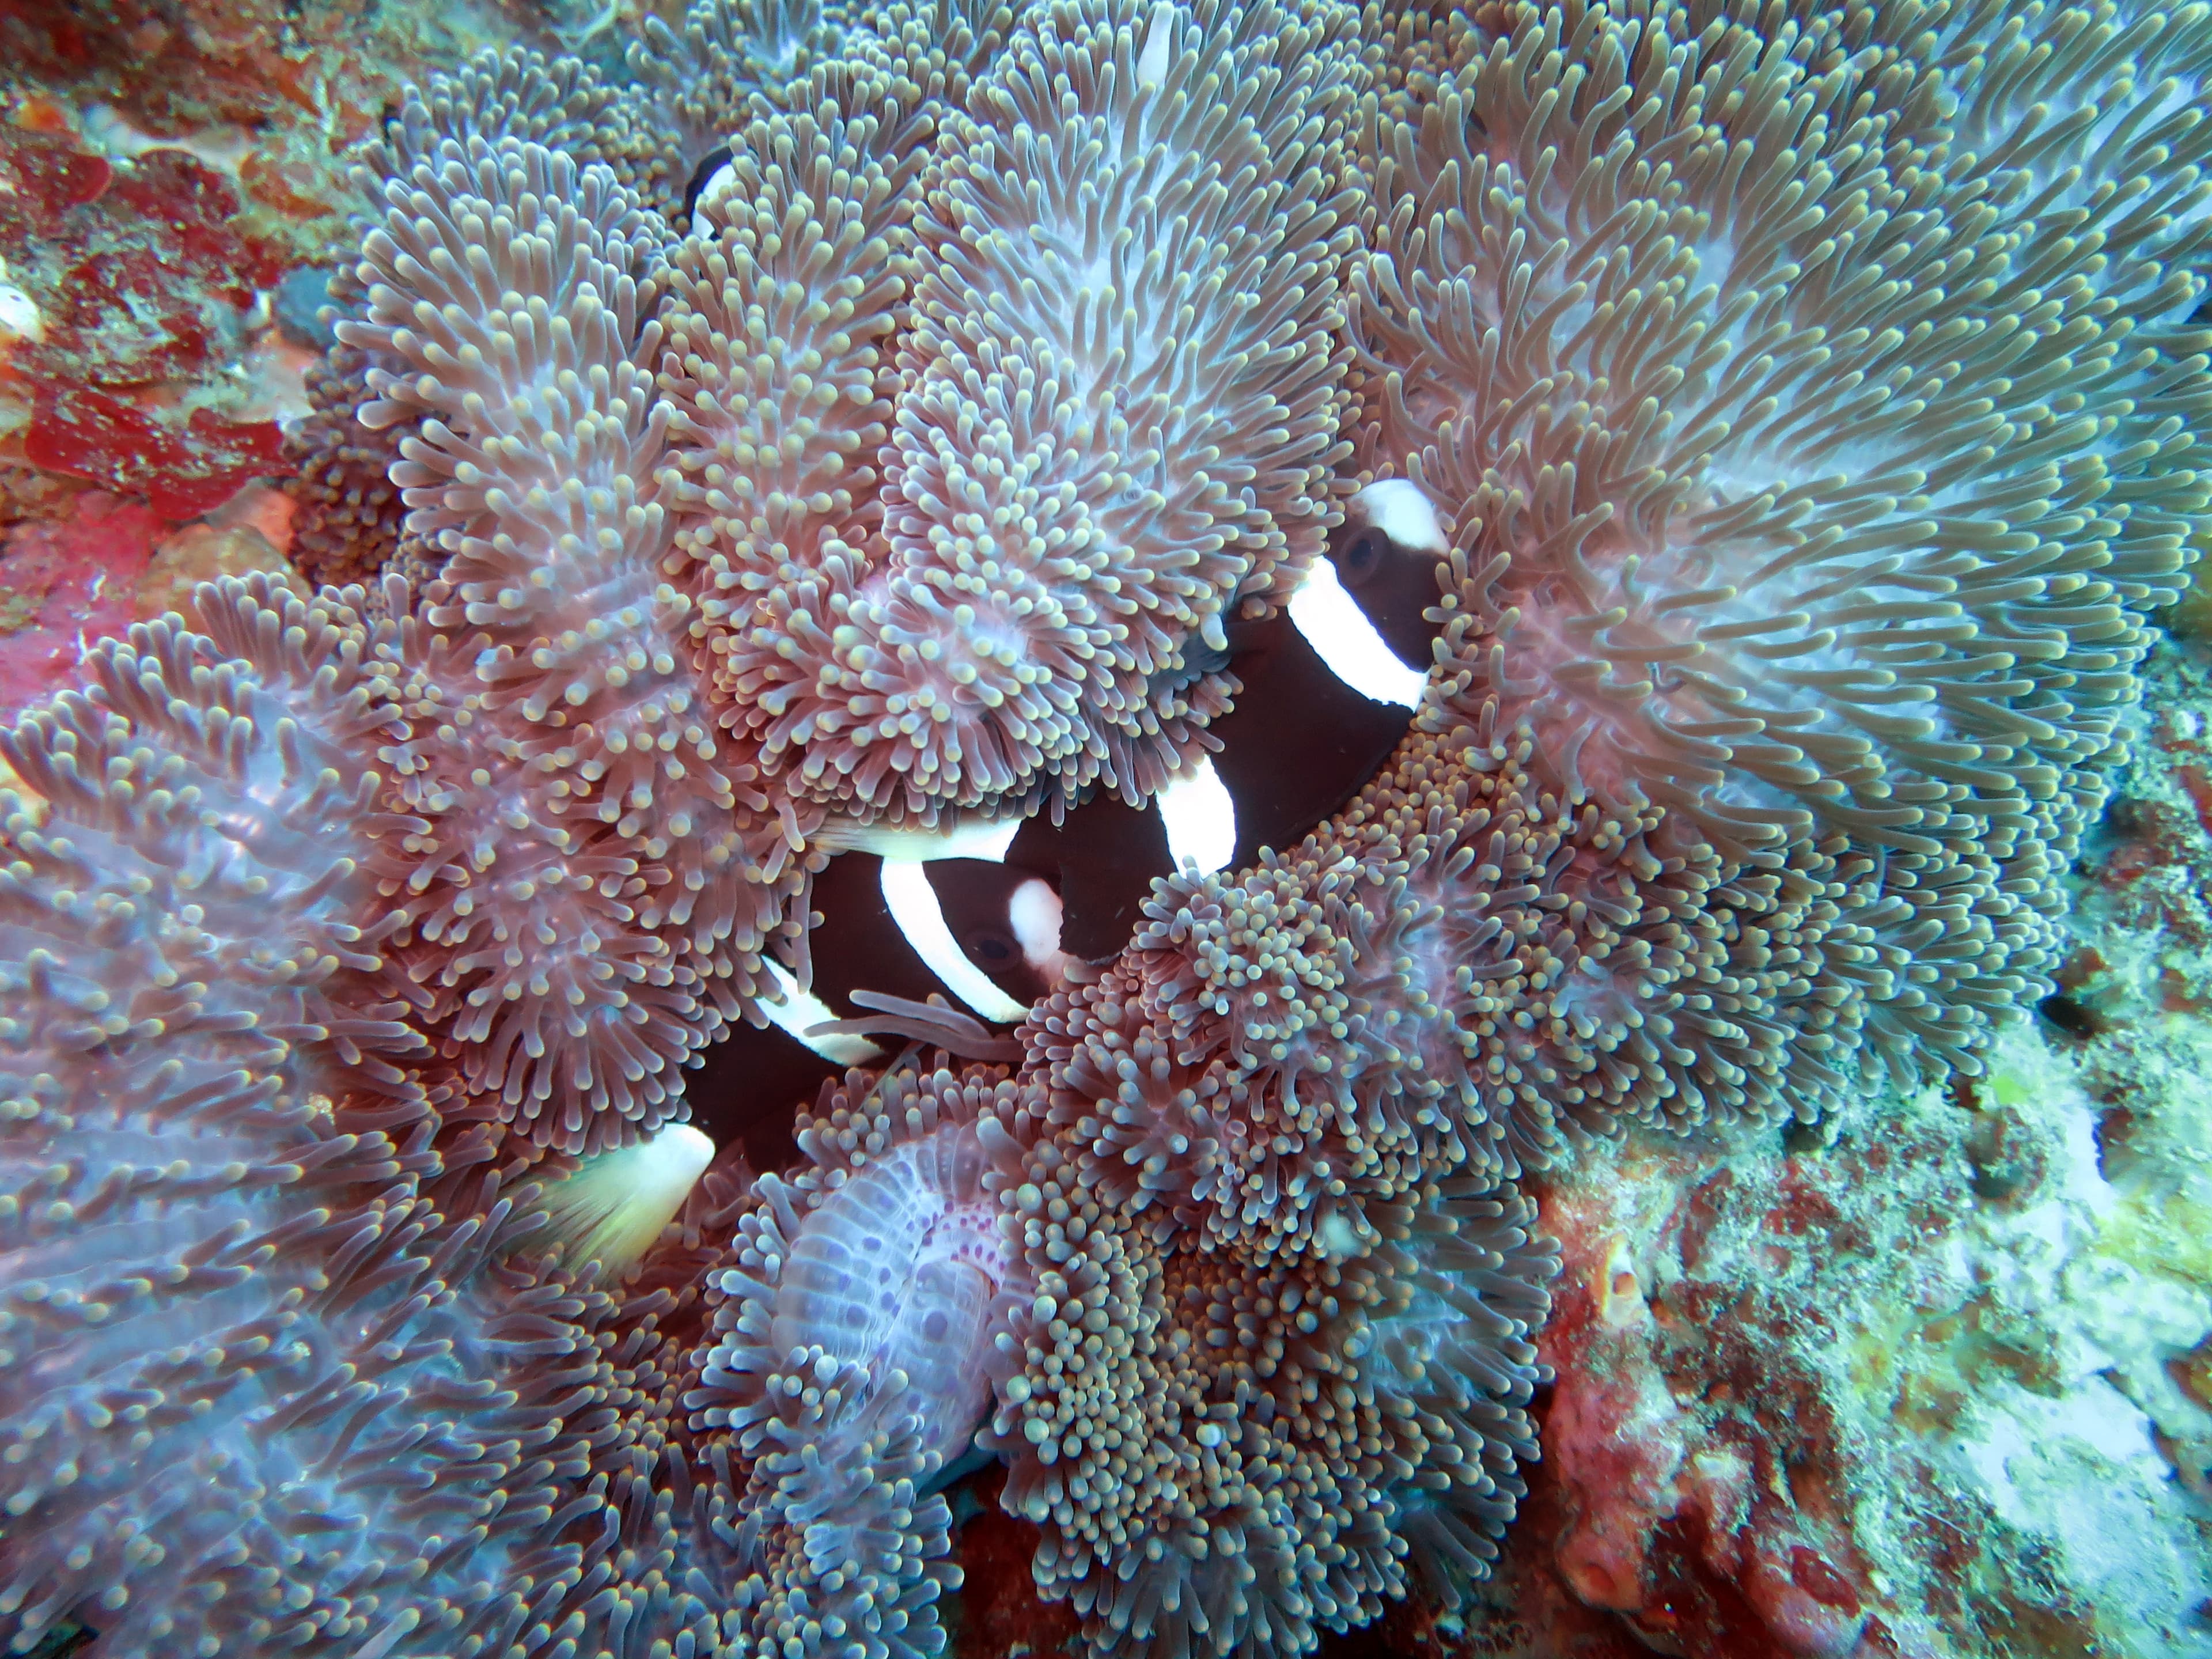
(897, 422)
(172, 180)
(103, 317)
(1921, 1382)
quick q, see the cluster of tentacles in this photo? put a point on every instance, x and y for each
(1808, 394)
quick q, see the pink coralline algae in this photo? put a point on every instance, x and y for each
(893, 424)
(142, 283)
(1679, 1518)
(68, 584)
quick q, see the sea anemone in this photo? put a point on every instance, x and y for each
(1806, 481)
(263, 1390)
(852, 1357)
(1786, 423)
(1220, 1451)
(1071, 491)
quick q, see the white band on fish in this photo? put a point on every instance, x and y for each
(1159, 47)
(1200, 815)
(1035, 915)
(1402, 510)
(913, 904)
(708, 216)
(988, 840)
(1348, 644)
(801, 1011)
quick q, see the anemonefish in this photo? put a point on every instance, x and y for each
(710, 179)
(950, 915)
(1385, 555)
(611, 1206)
(986, 917)
(1330, 686)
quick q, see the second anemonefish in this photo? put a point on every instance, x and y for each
(710, 180)
(1329, 687)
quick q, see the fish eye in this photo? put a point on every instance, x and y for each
(1362, 557)
(989, 948)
